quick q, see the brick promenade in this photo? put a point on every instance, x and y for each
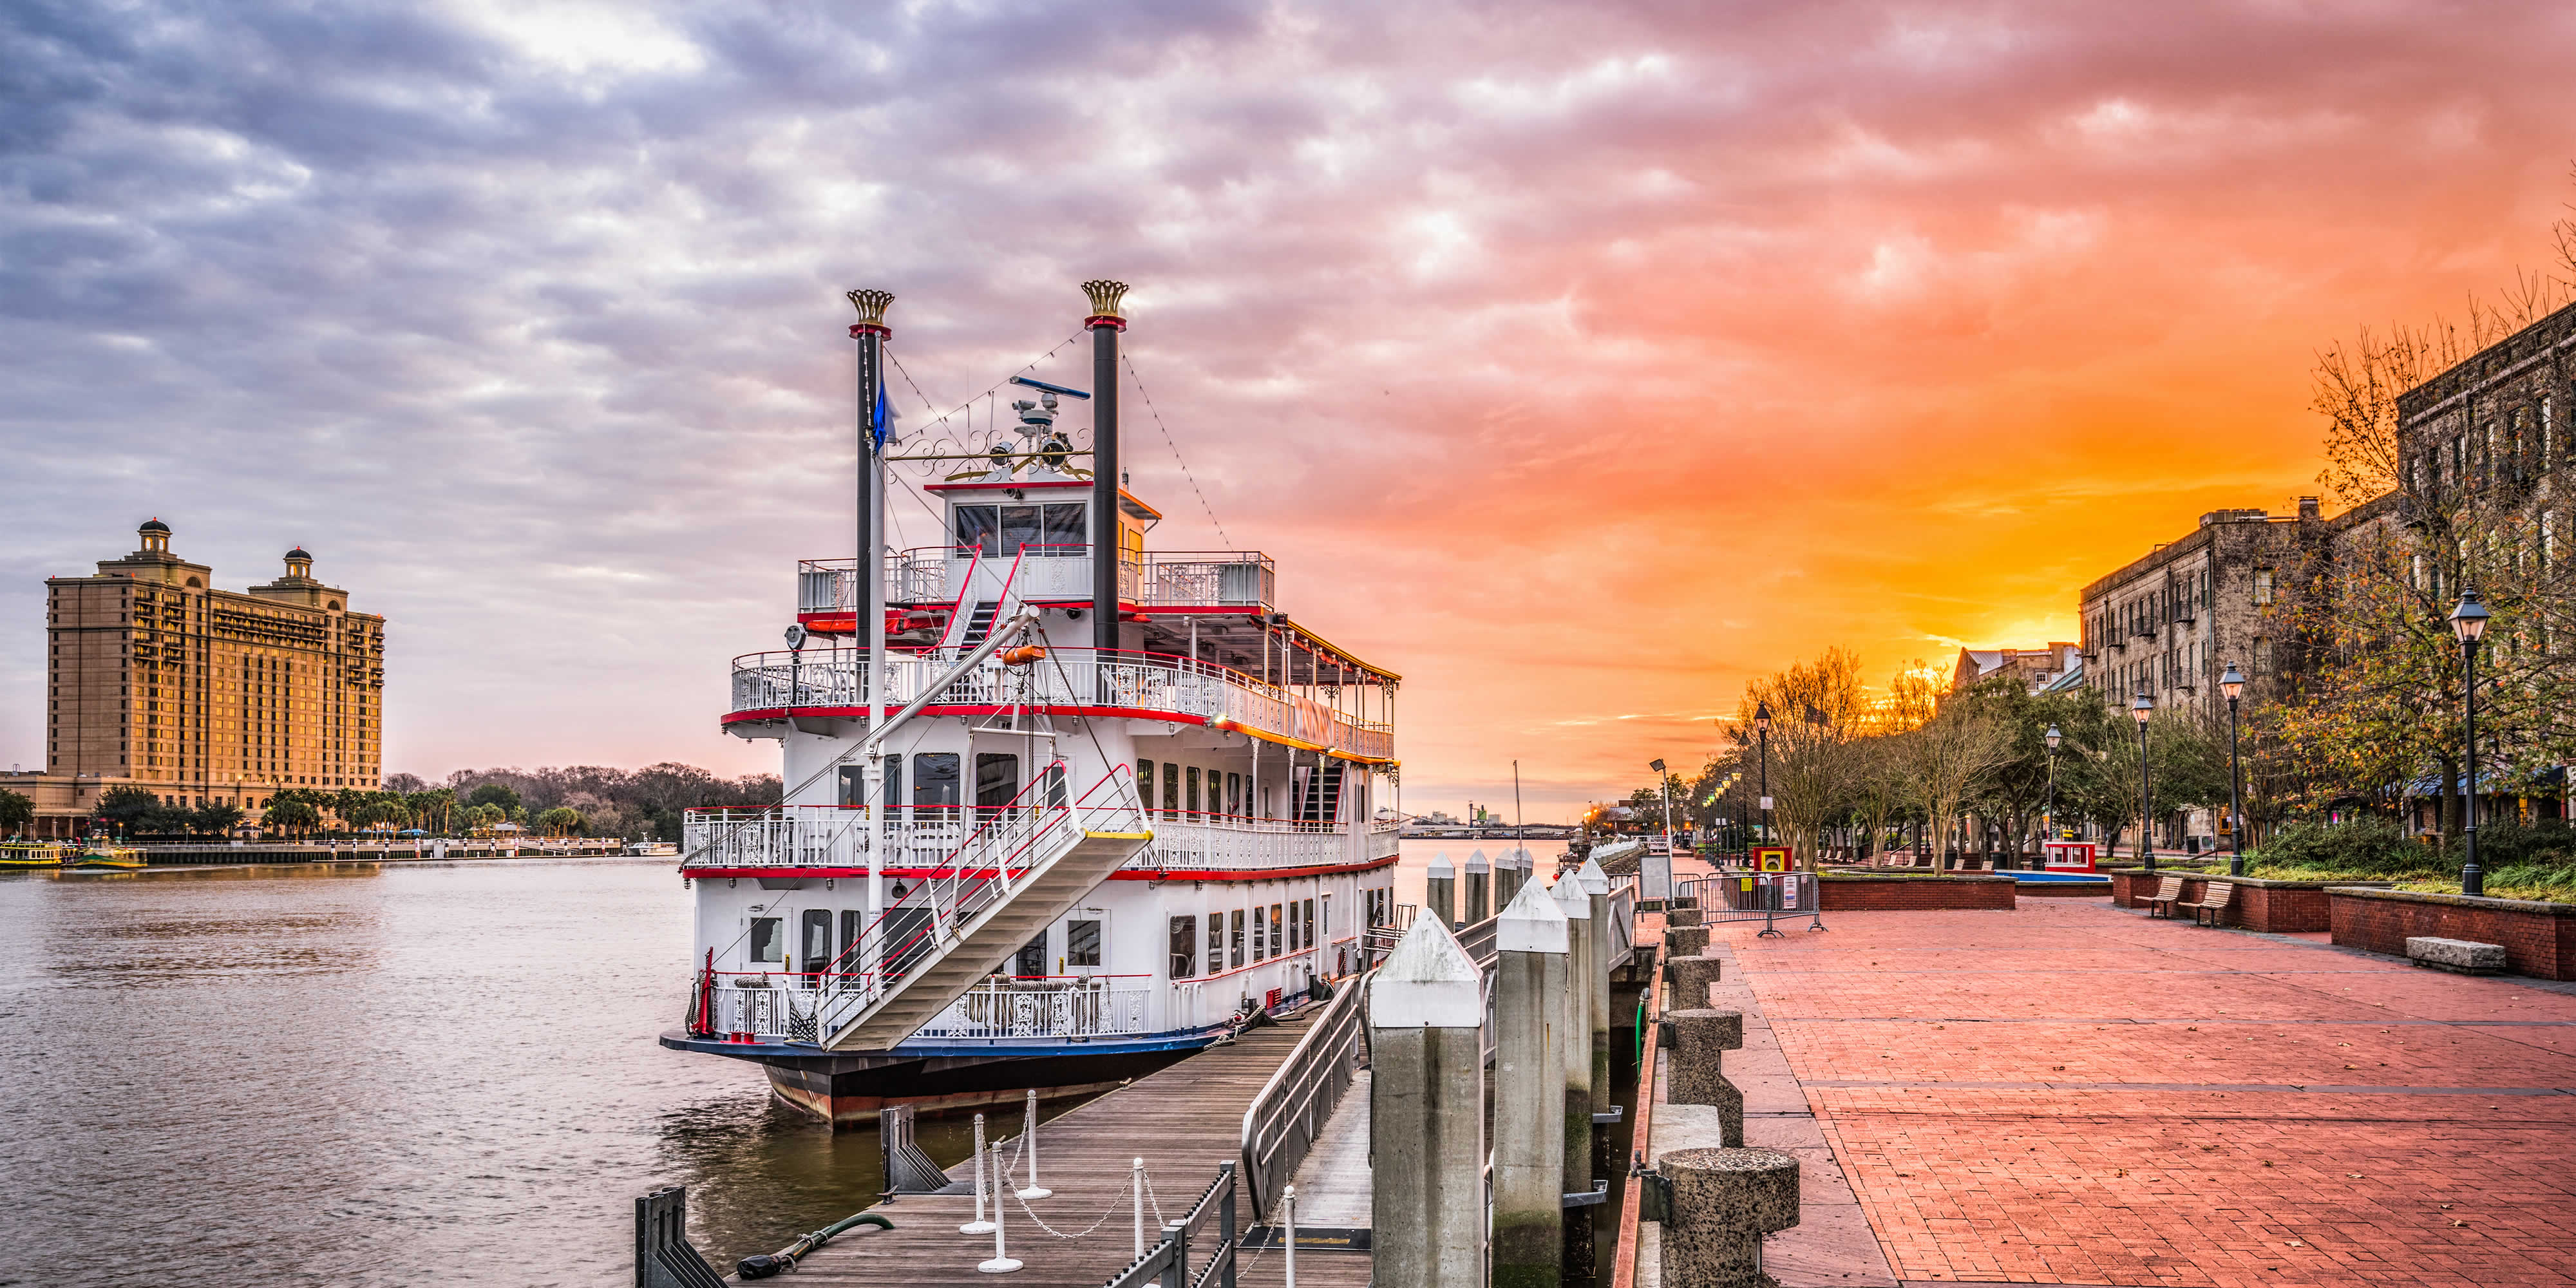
(2070, 1093)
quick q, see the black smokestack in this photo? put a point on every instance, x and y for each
(1105, 324)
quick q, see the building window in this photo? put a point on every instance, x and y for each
(2262, 655)
(1185, 947)
(2262, 586)
(1082, 945)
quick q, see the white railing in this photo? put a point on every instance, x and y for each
(937, 574)
(1077, 677)
(821, 836)
(1210, 841)
(1016, 1008)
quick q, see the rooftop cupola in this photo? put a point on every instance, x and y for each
(156, 537)
(299, 565)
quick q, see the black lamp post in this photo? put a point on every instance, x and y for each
(2469, 622)
(2139, 709)
(2233, 685)
(1762, 726)
(2052, 738)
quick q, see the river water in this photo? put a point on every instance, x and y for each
(389, 1074)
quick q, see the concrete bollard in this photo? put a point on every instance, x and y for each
(1722, 1202)
(1685, 941)
(1701, 1039)
(1691, 977)
(1529, 1093)
(1480, 888)
(1596, 979)
(1681, 916)
(1427, 1090)
(1576, 1057)
(1440, 890)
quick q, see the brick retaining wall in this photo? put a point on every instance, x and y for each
(2280, 907)
(2539, 938)
(1902, 892)
(2061, 889)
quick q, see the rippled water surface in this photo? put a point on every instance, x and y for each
(403, 1074)
(395, 1075)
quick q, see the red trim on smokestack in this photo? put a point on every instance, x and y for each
(1104, 320)
(858, 329)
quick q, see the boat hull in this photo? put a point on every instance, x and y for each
(850, 1091)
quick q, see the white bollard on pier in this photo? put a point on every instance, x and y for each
(1029, 1146)
(1001, 1264)
(1136, 1190)
(979, 1225)
(1288, 1200)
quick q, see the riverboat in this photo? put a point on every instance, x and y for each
(101, 854)
(30, 854)
(1107, 805)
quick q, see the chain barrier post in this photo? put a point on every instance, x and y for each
(1001, 1264)
(1136, 1187)
(1288, 1200)
(979, 1225)
(1029, 1135)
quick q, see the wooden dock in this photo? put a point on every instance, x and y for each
(1184, 1121)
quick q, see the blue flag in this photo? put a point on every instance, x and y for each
(883, 421)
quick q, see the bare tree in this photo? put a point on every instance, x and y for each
(1943, 761)
(1817, 709)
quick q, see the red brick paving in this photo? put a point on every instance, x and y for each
(2246, 1182)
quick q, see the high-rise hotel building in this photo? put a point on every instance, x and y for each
(157, 679)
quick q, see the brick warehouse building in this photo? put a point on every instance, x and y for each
(154, 678)
(2490, 431)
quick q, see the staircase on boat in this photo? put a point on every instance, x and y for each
(1029, 863)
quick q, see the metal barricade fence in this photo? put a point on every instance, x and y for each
(1761, 896)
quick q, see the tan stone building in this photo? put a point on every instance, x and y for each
(157, 679)
(2036, 668)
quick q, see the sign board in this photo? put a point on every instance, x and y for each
(1788, 892)
(1766, 802)
(1771, 858)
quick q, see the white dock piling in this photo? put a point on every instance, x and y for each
(1426, 1089)
(1529, 1092)
(1136, 1189)
(1440, 890)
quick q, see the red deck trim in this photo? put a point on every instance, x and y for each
(1143, 874)
(861, 713)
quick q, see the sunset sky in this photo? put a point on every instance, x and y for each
(1576, 361)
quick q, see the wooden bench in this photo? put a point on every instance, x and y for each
(2168, 893)
(2213, 901)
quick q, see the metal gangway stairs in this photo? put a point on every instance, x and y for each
(1026, 864)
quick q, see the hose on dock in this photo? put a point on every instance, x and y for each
(766, 1264)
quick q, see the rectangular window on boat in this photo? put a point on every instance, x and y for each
(997, 778)
(1171, 789)
(1234, 795)
(1324, 916)
(817, 925)
(1065, 532)
(1145, 784)
(1190, 780)
(893, 789)
(1238, 958)
(1020, 529)
(1185, 947)
(1216, 942)
(1308, 919)
(1277, 944)
(1260, 936)
(768, 939)
(979, 527)
(934, 780)
(853, 922)
(1082, 945)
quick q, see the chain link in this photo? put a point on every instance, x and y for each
(1124, 1192)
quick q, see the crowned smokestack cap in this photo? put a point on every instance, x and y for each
(872, 305)
(1106, 299)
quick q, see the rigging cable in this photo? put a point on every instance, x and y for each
(1176, 448)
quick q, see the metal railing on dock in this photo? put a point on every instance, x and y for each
(1167, 1263)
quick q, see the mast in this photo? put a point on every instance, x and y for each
(867, 576)
(1106, 549)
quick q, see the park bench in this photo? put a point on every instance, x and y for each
(2168, 893)
(2213, 902)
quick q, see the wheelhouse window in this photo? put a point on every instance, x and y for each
(768, 939)
(1082, 945)
(1020, 529)
(979, 528)
(1185, 947)
(1063, 529)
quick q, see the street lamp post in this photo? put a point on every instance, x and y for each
(1762, 726)
(2052, 738)
(2139, 709)
(2469, 622)
(2233, 685)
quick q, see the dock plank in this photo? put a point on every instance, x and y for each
(1184, 1121)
